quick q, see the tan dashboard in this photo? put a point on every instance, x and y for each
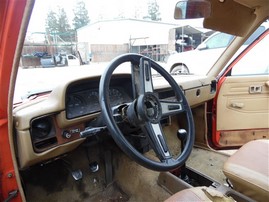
(50, 126)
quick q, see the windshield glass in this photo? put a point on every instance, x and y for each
(68, 39)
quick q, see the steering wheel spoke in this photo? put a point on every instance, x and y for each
(158, 142)
(171, 108)
(145, 76)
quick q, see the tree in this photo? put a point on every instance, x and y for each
(64, 28)
(51, 22)
(81, 15)
(153, 10)
(57, 24)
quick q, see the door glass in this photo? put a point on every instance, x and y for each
(255, 61)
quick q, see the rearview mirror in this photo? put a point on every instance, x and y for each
(190, 9)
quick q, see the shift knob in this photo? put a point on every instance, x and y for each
(182, 134)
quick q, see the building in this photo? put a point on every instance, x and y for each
(104, 40)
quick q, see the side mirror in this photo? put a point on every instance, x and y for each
(190, 9)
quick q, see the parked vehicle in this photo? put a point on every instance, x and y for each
(59, 60)
(200, 60)
(116, 132)
(184, 43)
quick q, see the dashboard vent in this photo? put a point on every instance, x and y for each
(213, 85)
(43, 133)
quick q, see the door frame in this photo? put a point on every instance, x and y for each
(11, 17)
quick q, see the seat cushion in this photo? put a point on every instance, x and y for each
(199, 194)
(248, 170)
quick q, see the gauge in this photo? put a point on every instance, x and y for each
(115, 96)
(75, 106)
(93, 101)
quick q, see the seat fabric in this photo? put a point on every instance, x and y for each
(248, 170)
(199, 194)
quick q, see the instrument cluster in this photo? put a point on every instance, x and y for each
(82, 100)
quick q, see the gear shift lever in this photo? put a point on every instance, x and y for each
(182, 136)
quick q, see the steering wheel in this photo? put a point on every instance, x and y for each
(146, 112)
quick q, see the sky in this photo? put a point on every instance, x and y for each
(107, 9)
(101, 9)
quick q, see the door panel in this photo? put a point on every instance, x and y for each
(242, 109)
(240, 112)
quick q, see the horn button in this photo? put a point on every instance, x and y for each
(149, 108)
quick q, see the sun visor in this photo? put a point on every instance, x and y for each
(230, 17)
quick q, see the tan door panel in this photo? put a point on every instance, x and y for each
(243, 103)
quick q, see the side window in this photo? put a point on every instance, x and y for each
(220, 40)
(255, 61)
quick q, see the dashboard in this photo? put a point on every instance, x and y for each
(50, 126)
(83, 98)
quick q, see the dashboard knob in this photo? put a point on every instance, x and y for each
(66, 134)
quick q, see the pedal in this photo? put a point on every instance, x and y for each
(94, 167)
(77, 174)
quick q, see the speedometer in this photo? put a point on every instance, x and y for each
(93, 101)
(115, 96)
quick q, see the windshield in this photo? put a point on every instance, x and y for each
(68, 39)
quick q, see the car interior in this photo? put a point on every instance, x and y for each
(130, 136)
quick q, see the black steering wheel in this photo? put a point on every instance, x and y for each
(146, 112)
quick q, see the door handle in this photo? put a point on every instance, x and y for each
(238, 105)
